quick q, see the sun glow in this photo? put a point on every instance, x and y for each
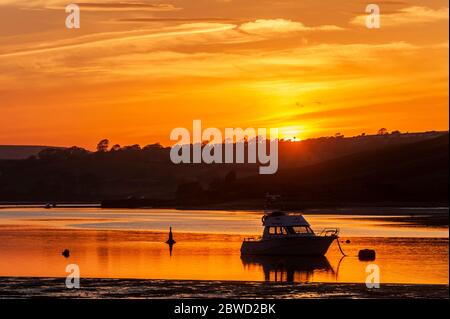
(291, 133)
(280, 71)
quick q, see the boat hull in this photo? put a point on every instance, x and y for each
(293, 246)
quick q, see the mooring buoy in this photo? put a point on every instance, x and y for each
(170, 241)
(66, 253)
(367, 254)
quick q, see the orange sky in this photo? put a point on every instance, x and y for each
(133, 73)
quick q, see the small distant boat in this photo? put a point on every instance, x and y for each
(291, 235)
(48, 206)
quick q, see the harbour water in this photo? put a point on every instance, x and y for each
(131, 244)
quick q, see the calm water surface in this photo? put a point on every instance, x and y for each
(130, 244)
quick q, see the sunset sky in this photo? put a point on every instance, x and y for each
(137, 69)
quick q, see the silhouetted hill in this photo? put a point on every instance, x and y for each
(321, 149)
(416, 172)
(20, 151)
(390, 169)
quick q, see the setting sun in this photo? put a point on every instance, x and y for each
(291, 133)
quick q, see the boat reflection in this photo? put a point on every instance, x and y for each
(288, 268)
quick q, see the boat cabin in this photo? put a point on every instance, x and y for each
(281, 224)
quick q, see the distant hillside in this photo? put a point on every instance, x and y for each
(392, 169)
(316, 150)
(19, 151)
(416, 172)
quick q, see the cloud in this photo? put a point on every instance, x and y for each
(182, 20)
(127, 6)
(262, 26)
(92, 6)
(125, 38)
(410, 15)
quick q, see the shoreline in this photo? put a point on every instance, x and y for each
(430, 216)
(234, 207)
(31, 287)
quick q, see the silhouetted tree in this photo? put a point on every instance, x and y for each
(135, 147)
(102, 146)
(75, 152)
(382, 131)
(150, 147)
(115, 148)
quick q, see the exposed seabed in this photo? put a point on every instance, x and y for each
(32, 287)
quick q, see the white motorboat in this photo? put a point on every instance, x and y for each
(291, 235)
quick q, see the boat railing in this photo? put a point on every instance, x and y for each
(326, 232)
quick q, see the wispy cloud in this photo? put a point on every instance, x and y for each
(264, 26)
(127, 6)
(220, 31)
(182, 30)
(92, 6)
(181, 20)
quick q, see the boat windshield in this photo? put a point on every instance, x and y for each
(290, 230)
(278, 231)
(299, 230)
